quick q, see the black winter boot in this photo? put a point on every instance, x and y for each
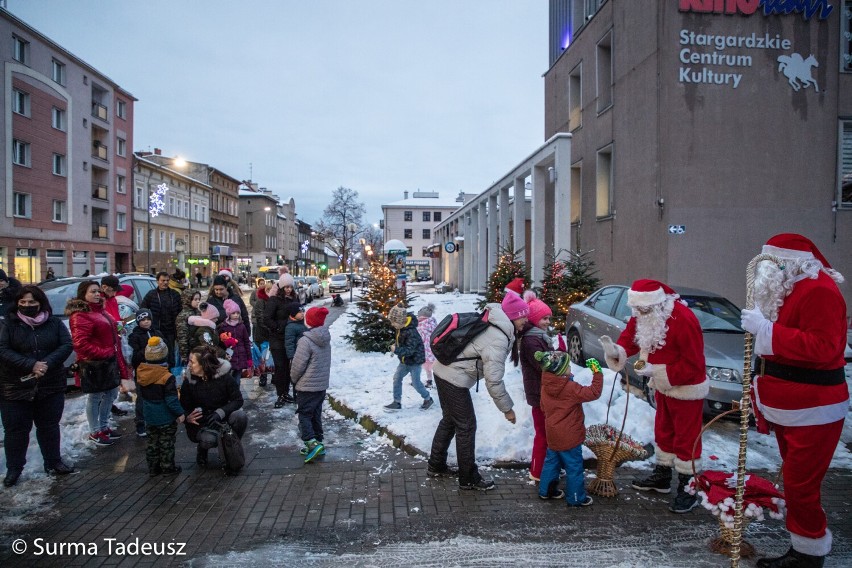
(660, 480)
(683, 501)
(201, 457)
(793, 559)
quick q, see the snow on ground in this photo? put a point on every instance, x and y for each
(364, 383)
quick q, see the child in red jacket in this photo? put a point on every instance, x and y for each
(562, 402)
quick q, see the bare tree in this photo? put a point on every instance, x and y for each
(341, 221)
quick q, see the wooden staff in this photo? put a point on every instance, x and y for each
(745, 407)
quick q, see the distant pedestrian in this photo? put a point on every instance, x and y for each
(310, 371)
(85, 274)
(165, 305)
(562, 403)
(163, 411)
(426, 324)
(50, 274)
(408, 347)
(177, 281)
(198, 277)
(534, 338)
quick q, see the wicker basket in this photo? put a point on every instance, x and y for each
(723, 543)
(611, 448)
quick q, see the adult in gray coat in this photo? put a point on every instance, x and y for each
(485, 356)
(309, 371)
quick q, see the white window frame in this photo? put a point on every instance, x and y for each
(139, 197)
(58, 71)
(120, 147)
(162, 241)
(140, 238)
(57, 119)
(172, 206)
(20, 50)
(604, 168)
(120, 109)
(21, 153)
(172, 242)
(21, 102)
(59, 167)
(844, 164)
(22, 205)
(59, 208)
(120, 183)
(121, 221)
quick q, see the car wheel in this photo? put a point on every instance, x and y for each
(575, 348)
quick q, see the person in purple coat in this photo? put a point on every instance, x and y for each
(240, 353)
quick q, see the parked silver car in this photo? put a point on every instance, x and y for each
(315, 289)
(606, 312)
(338, 283)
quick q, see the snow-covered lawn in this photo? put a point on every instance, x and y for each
(364, 383)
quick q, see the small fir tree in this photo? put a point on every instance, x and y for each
(509, 267)
(371, 330)
(554, 286)
(579, 281)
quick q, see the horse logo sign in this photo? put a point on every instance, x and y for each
(798, 70)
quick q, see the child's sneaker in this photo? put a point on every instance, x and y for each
(393, 407)
(314, 448)
(584, 503)
(112, 434)
(140, 430)
(304, 450)
(427, 404)
(429, 384)
(100, 439)
(558, 495)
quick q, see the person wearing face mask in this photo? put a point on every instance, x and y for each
(534, 337)
(33, 347)
(100, 363)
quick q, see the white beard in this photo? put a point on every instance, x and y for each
(651, 328)
(772, 284)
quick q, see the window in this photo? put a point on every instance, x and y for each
(21, 50)
(407, 234)
(605, 300)
(139, 197)
(140, 239)
(575, 98)
(120, 109)
(21, 102)
(58, 165)
(427, 233)
(576, 192)
(120, 184)
(162, 241)
(407, 216)
(410, 251)
(186, 209)
(58, 211)
(21, 203)
(204, 215)
(21, 153)
(57, 119)
(846, 37)
(195, 213)
(603, 185)
(172, 206)
(604, 64)
(120, 146)
(171, 242)
(58, 72)
(427, 216)
(436, 216)
(121, 221)
(846, 164)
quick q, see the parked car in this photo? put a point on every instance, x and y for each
(339, 283)
(61, 290)
(302, 290)
(606, 312)
(315, 287)
(356, 279)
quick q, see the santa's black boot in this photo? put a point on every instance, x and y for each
(683, 501)
(660, 480)
(793, 559)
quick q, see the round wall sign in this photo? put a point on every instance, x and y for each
(450, 247)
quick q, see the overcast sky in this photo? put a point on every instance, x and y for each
(381, 96)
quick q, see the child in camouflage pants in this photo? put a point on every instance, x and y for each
(161, 408)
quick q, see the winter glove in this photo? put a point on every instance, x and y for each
(615, 357)
(754, 322)
(213, 421)
(647, 370)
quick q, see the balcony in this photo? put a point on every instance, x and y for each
(100, 151)
(100, 111)
(100, 231)
(100, 191)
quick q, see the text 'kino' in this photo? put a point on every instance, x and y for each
(709, 77)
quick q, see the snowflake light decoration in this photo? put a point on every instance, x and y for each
(157, 202)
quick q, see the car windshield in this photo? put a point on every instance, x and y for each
(715, 314)
(59, 296)
(312, 280)
(337, 277)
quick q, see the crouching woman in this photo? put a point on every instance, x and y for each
(210, 397)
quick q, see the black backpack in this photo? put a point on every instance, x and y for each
(453, 334)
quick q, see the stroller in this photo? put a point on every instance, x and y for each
(263, 364)
(336, 301)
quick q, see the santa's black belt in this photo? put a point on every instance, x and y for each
(818, 377)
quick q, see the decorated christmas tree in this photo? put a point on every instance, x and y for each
(580, 280)
(509, 267)
(554, 287)
(371, 330)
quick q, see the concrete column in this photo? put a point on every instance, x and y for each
(482, 257)
(473, 225)
(505, 217)
(519, 217)
(562, 197)
(467, 251)
(538, 224)
(493, 244)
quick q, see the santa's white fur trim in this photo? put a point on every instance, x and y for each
(685, 467)
(813, 546)
(660, 381)
(617, 364)
(643, 299)
(787, 253)
(664, 458)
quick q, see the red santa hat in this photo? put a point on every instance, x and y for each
(516, 286)
(796, 247)
(647, 292)
(226, 272)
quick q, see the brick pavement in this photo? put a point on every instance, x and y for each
(366, 502)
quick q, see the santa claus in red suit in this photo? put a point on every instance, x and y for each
(668, 338)
(800, 392)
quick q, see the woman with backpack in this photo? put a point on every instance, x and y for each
(484, 355)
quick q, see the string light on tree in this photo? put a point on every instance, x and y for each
(509, 267)
(372, 332)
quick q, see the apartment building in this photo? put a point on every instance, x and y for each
(258, 229)
(68, 133)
